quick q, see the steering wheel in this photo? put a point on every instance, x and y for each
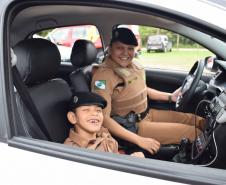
(189, 85)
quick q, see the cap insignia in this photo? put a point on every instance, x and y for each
(75, 99)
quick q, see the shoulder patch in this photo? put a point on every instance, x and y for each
(100, 85)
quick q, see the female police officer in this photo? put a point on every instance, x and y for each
(121, 82)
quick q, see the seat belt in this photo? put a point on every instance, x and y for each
(25, 96)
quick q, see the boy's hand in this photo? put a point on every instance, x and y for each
(149, 144)
(138, 154)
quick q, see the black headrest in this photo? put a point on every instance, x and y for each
(83, 53)
(37, 60)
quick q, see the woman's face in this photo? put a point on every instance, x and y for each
(121, 53)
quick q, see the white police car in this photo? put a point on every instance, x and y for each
(31, 151)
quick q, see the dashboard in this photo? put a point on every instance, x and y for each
(219, 79)
(209, 149)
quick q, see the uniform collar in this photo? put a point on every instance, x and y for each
(79, 140)
(83, 142)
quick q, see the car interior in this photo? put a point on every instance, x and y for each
(44, 84)
(49, 95)
(83, 57)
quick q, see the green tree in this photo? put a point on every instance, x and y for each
(44, 32)
(177, 40)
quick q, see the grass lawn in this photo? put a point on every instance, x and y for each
(178, 59)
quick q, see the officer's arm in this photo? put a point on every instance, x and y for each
(163, 96)
(117, 130)
(158, 95)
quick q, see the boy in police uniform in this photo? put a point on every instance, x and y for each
(87, 117)
(121, 81)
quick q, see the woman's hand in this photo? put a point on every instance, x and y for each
(175, 94)
(149, 144)
(138, 154)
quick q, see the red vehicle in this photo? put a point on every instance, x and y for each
(66, 36)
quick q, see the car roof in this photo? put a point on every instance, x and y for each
(201, 9)
(34, 17)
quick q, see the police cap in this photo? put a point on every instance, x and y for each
(124, 35)
(87, 98)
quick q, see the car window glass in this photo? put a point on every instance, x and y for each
(163, 49)
(60, 35)
(64, 38)
(79, 33)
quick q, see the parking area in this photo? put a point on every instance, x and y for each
(172, 60)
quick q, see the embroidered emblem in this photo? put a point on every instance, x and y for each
(100, 84)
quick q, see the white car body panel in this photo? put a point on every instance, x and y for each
(41, 169)
(23, 167)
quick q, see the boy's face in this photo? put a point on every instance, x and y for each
(121, 53)
(88, 118)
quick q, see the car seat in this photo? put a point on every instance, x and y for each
(83, 58)
(37, 62)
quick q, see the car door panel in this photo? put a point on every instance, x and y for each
(166, 81)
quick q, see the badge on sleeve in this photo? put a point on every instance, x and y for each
(100, 85)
